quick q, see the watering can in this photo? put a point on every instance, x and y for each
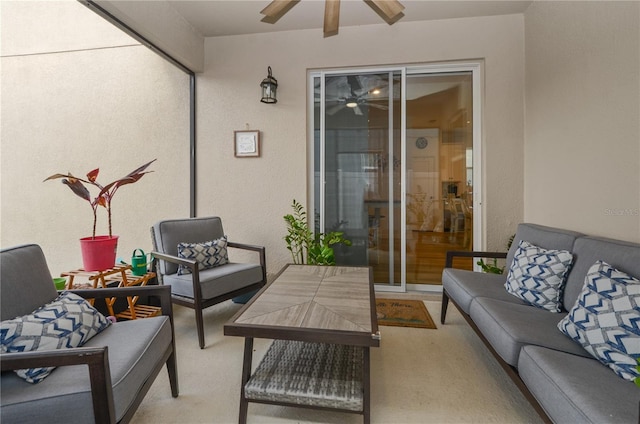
(138, 262)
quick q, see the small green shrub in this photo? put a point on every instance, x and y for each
(305, 247)
(490, 268)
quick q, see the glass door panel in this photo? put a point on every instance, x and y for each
(439, 172)
(359, 146)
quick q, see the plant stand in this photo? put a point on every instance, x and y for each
(120, 276)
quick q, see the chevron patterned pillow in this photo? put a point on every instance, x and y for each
(537, 275)
(69, 321)
(208, 254)
(606, 319)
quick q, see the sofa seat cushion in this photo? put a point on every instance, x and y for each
(463, 286)
(216, 281)
(573, 389)
(65, 396)
(508, 327)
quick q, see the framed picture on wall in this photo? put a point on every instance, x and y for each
(246, 143)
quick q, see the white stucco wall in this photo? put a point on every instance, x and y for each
(582, 150)
(162, 24)
(253, 194)
(78, 94)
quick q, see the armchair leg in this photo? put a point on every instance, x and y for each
(172, 369)
(445, 304)
(200, 327)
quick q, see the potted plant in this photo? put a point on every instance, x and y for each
(305, 247)
(99, 252)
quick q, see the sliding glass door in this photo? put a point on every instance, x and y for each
(393, 168)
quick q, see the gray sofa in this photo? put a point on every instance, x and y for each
(560, 378)
(103, 381)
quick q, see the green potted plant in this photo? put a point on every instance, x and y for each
(99, 252)
(493, 268)
(304, 245)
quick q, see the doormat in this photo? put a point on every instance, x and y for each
(403, 313)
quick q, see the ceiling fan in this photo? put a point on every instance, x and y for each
(389, 10)
(354, 91)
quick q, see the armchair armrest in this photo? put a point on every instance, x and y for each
(191, 264)
(466, 254)
(97, 359)
(254, 248)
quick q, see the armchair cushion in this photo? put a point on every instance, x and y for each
(209, 254)
(216, 281)
(537, 275)
(69, 321)
(168, 233)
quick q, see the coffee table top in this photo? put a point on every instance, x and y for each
(329, 304)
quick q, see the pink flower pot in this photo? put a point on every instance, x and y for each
(98, 253)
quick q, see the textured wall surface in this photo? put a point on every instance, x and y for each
(582, 150)
(253, 194)
(78, 94)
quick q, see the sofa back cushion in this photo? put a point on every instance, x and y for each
(168, 234)
(25, 281)
(544, 237)
(624, 256)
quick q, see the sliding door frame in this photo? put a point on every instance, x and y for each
(475, 67)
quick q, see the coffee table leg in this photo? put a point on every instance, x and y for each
(366, 378)
(246, 373)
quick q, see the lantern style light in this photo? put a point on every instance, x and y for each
(269, 86)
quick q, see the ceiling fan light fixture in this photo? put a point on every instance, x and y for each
(352, 103)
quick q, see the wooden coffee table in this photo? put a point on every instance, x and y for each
(323, 321)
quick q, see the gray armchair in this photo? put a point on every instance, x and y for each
(202, 288)
(106, 379)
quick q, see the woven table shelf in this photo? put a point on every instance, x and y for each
(313, 374)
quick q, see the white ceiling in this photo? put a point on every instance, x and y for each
(214, 18)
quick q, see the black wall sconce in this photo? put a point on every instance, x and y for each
(269, 86)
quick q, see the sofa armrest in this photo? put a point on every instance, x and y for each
(97, 359)
(466, 254)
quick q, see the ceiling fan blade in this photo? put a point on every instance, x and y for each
(277, 9)
(378, 106)
(389, 10)
(331, 17)
(332, 111)
(354, 85)
(357, 110)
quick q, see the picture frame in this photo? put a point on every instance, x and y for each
(246, 143)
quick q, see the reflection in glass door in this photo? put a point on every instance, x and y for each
(393, 169)
(439, 169)
(358, 159)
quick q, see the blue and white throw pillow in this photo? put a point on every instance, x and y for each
(606, 319)
(537, 275)
(69, 321)
(208, 254)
